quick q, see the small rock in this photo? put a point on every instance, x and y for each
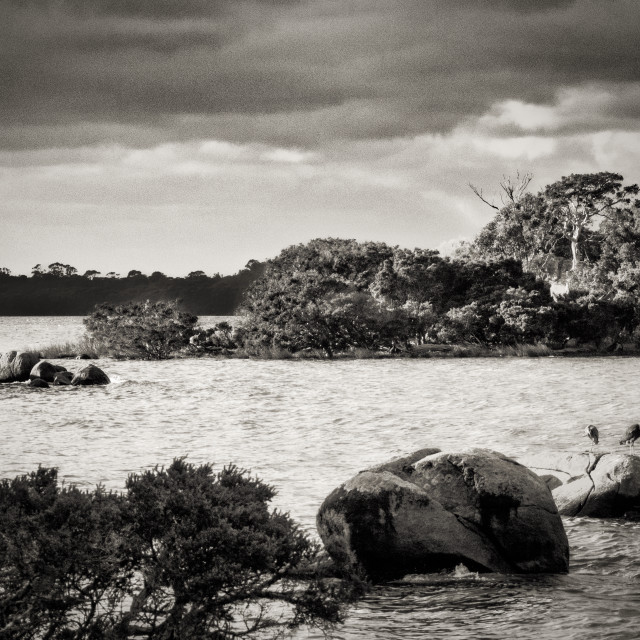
(63, 378)
(83, 356)
(38, 383)
(90, 375)
(44, 370)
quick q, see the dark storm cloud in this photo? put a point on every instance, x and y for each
(140, 8)
(301, 71)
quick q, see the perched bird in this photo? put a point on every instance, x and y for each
(591, 431)
(631, 435)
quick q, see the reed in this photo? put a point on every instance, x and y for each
(59, 350)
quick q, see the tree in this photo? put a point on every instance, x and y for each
(152, 330)
(134, 273)
(524, 230)
(5, 271)
(578, 199)
(512, 190)
(197, 274)
(60, 270)
(37, 271)
(184, 553)
(91, 274)
(316, 296)
(216, 339)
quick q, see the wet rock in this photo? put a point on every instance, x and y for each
(38, 383)
(90, 375)
(83, 356)
(45, 370)
(605, 485)
(63, 378)
(432, 511)
(15, 366)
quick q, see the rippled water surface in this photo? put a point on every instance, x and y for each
(307, 426)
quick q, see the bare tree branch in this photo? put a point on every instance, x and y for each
(478, 192)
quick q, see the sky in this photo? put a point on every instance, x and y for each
(182, 135)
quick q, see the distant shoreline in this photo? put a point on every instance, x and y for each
(440, 351)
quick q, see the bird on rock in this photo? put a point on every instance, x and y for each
(591, 431)
(631, 435)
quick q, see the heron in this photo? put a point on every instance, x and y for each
(591, 431)
(631, 435)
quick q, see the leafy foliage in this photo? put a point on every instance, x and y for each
(216, 339)
(316, 296)
(152, 330)
(337, 295)
(63, 573)
(185, 553)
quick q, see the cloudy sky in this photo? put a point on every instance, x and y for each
(177, 135)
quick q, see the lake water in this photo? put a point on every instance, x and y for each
(305, 427)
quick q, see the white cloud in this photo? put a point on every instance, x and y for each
(524, 147)
(528, 117)
(589, 107)
(288, 156)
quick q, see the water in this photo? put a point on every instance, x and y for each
(31, 332)
(307, 426)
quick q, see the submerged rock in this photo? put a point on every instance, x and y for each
(605, 485)
(38, 383)
(45, 370)
(90, 375)
(15, 366)
(432, 510)
(63, 378)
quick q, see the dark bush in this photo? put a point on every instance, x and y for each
(184, 553)
(216, 339)
(151, 330)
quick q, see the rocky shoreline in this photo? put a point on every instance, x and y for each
(27, 366)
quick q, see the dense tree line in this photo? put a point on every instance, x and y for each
(60, 290)
(336, 295)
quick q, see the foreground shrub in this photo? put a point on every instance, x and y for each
(185, 553)
(151, 330)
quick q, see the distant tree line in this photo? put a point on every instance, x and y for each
(59, 290)
(334, 295)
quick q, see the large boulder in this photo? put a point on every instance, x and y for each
(432, 510)
(45, 370)
(90, 375)
(604, 485)
(15, 366)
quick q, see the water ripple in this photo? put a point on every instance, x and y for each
(307, 426)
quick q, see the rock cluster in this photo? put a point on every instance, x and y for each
(603, 485)
(26, 366)
(432, 510)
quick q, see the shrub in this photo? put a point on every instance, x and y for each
(216, 339)
(184, 553)
(150, 330)
(60, 559)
